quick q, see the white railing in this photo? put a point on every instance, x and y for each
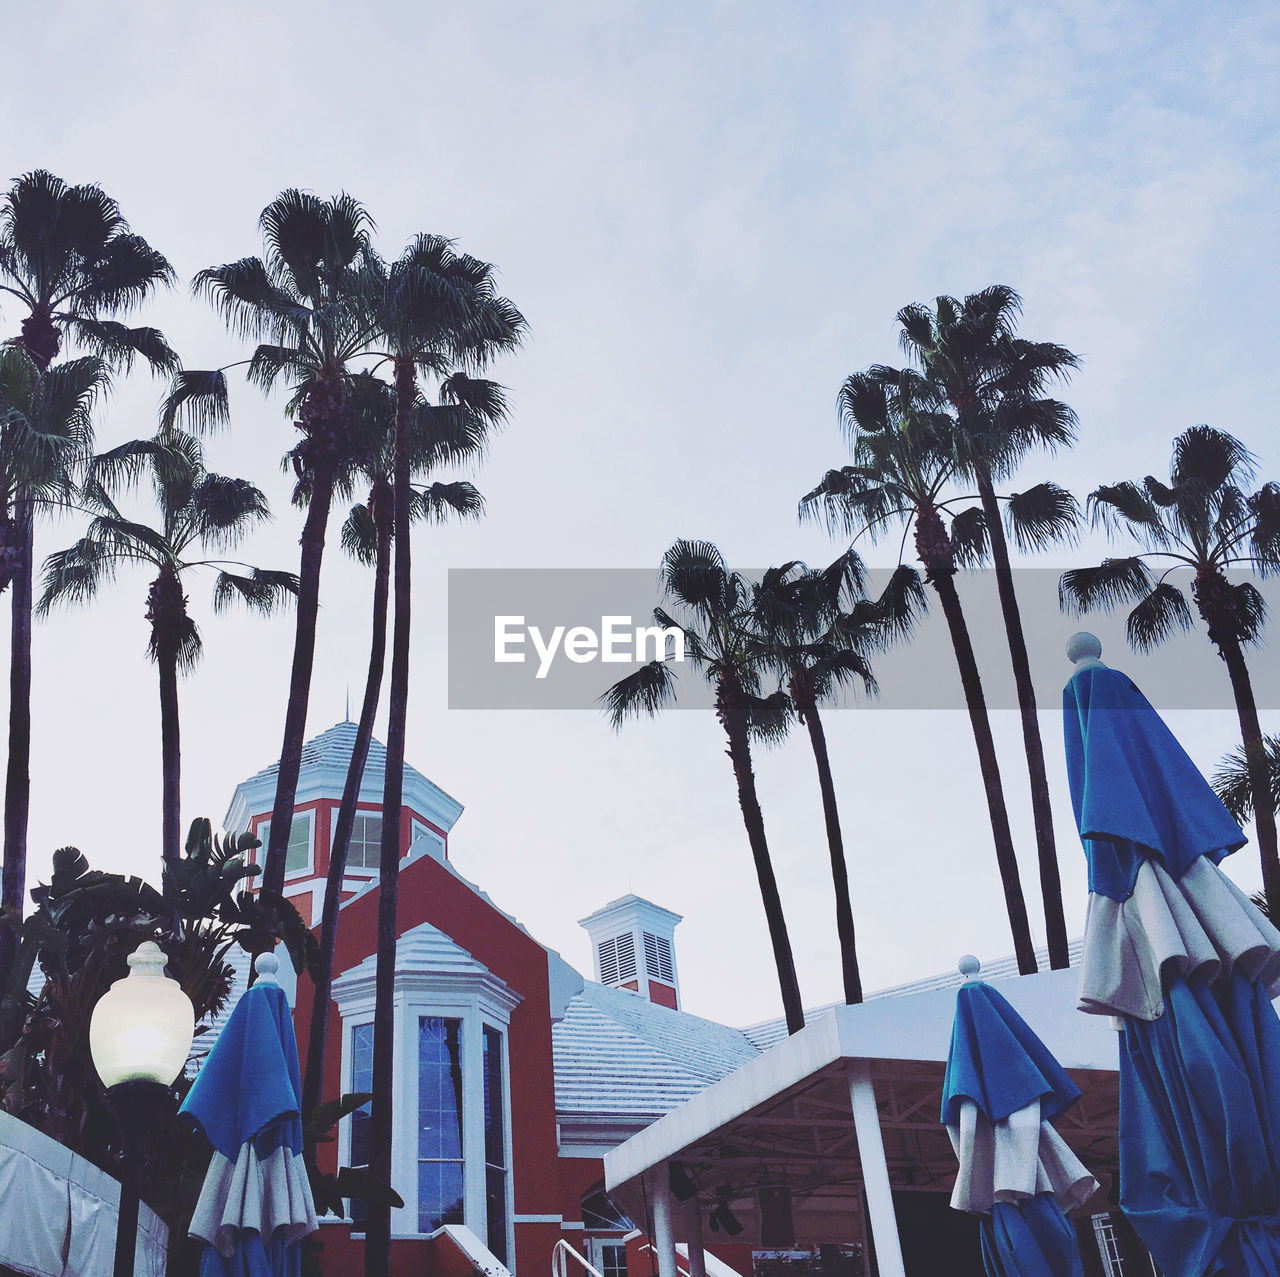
(560, 1261)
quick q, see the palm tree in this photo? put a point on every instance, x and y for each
(1202, 520)
(993, 383)
(440, 434)
(199, 511)
(437, 311)
(714, 610)
(70, 259)
(307, 303)
(816, 629)
(904, 459)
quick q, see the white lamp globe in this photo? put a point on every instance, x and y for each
(142, 1027)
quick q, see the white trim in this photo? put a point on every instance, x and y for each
(542, 1219)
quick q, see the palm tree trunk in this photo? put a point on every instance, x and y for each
(17, 789)
(318, 1034)
(170, 751)
(808, 711)
(1041, 809)
(735, 726)
(377, 1257)
(940, 570)
(1264, 815)
(304, 650)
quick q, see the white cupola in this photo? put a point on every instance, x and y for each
(633, 947)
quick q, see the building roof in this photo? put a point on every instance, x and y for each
(325, 759)
(619, 1055)
(768, 1032)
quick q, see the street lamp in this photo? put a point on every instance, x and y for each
(139, 1037)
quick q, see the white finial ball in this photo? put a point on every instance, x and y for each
(1084, 649)
(969, 966)
(266, 966)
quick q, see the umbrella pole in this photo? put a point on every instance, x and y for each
(875, 1170)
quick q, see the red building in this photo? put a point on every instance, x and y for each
(514, 1074)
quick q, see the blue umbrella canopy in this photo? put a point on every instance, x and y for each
(1003, 1087)
(256, 1203)
(1181, 954)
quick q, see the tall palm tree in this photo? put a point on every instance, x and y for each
(817, 629)
(713, 608)
(1203, 520)
(993, 383)
(307, 303)
(904, 460)
(438, 311)
(69, 258)
(199, 512)
(440, 434)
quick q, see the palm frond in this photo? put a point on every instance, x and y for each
(1042, 516)
(1264, 537)
(1209, 457)
(646, 691)
(261, 590)
(1156, 617)
(119, 345)
(1233, 784)
(969, 539)
(197, 400)
(1250, 610)
(222, 509)
(1114, 504)
(73, 575)
(695, 574)
(435, 503)
(769, 718)
(1111, 583)
(359, 535)
(251, 304)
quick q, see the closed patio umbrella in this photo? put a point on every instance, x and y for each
(1189, 964)
(256, 1203)
(1002, 1090)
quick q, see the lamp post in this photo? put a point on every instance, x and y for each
(139, 1037)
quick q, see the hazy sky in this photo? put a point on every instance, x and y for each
(709, 214)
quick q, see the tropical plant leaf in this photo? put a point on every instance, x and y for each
(1156, 617)
(1042, 516)
(1111, 583)
(646, 691)
(969, 539)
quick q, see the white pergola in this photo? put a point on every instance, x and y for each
(844, 1113)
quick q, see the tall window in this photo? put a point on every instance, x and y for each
(366, 841)
(361, 1080)
(495, 1146)
(298, 857)
(440, 1156)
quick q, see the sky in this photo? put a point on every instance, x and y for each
(710, 214)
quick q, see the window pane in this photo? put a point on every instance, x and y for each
(613, 1260)
(298, 855)
(361, 1080)
(494, 1134)
(439, 1195)
(366, 841)
(495, 1198)
(439, 1088)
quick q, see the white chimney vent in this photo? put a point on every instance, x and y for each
(633, 944)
